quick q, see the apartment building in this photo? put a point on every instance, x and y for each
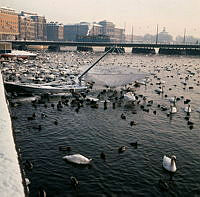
(8, 24)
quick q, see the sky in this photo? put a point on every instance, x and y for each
(142, 15)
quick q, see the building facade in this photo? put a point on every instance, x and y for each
(96, 29)
(72, 32)
(164, 37)
(108, 28)
(115, 34)
(55, 31)
(8, 24)
(40, 27)
(26, 28)
(119, 35)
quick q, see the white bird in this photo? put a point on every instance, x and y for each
(172, 99)
(169, 163)
(159, 90)
(188, 109)
(173, 109)
(27, 181)
(129, 96)
(198, 110)
(77, 158)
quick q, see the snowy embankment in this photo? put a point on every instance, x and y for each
(10, 175)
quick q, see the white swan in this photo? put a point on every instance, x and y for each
(77, 158)
(173, 109)
(172, 99)
(89, 98)
(188, 109)
(169, 163)
(129, 96)
(159, 90)
(198, 110)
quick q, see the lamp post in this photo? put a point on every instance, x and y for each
(157, 34)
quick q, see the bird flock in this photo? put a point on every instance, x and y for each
(167, 90)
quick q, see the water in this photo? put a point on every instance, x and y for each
(136, 172)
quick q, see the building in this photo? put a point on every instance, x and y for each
(102, 31)
(72, 32)
(61, 32)
(40, 27)
(119, 35)
(8, 24)
(115, 34)
(26, 28)
(93, 38)
(55, 31)
(95, 29)
(108, 28)
(164, 37)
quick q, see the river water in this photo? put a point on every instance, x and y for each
(90, 131)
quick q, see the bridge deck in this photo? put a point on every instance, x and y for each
(104, 44)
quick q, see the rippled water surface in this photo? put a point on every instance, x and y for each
(135, 172)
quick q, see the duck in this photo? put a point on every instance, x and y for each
(56, 122)
(41, 192)
(28, 165)
(103, 156)
(121, 149)
(77, 158)
(65, 148)
(134, 144)
(74, 181)
(123, 116)
(188, 109)
(169, 164)
(133, 123)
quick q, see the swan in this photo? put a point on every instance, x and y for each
(129, 96)
(188, 109)
(198, 110)
(169, 163)
(173, 109)
(77, 158)
(159, 90)
(172, 99)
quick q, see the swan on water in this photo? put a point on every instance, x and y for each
(188, 109)
(173, 109)
(172, 99)
(129, 96)
(77, 158)
(159, 90)
(169, 163)
(198, 110)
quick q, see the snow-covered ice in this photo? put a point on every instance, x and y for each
(10, 175)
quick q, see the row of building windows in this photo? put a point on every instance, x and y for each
(8, 22)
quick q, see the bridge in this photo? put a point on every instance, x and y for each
(103, 44)
(178, 49)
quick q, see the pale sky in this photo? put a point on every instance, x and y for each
(143, 15)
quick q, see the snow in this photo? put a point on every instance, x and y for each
(21, 53)
(10, 175)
